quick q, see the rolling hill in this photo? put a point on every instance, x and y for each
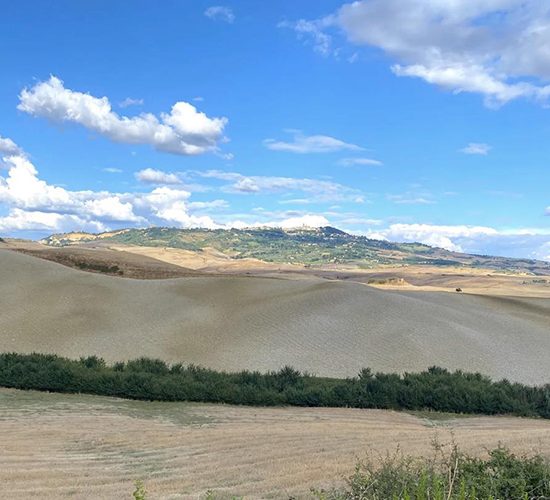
(304, 246)
(235, 322)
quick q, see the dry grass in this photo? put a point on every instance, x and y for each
(58, 446)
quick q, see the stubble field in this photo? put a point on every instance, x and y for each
(76, 446)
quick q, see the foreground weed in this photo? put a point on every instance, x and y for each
(449, 475)
(139, 492)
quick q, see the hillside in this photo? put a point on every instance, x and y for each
(306, 246)
(331, 328)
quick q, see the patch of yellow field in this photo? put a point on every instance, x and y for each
(209, 259)
(78, 446)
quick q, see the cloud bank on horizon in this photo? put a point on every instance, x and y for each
(389, 169)
(35, 205)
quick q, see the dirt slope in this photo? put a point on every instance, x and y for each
(86, 447)
(102, 260)
(231, 322)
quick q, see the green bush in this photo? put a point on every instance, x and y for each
(150, 379)
(447, 476)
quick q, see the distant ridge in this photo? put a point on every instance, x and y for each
(304, 245)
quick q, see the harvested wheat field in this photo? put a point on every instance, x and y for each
(232, 323)
(83, 447)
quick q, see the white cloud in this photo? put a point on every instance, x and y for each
(24, 189)
(476, 148)
(112, 170)
(302, 221)
(152, 176)
(183, 131)
(438, 236)
(220, 13)
(357, 221)
(485, 240)
(497, 48)
(9, 148)
(170, 205)
(34, 205)
(313, 31)
(308, 220)
(213, 205)
(320, 190)
(311, 144)
(360, 161)
(543, 252)
(410, 199)
(110, 208)
(22, 220)
(130, 102)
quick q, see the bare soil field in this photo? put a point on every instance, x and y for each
(332, 328)
(448, 279)
(142, 262)
(76, 446)
(209, 260)
(102, 260)
(415, 278)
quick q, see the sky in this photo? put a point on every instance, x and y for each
(405, 120)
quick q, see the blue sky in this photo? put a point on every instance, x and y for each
(407, 120)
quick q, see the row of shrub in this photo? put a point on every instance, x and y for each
(149, 379)
(98, 267)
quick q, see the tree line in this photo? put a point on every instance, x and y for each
(435, 389)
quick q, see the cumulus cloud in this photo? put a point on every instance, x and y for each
(220, 13)
(311, 144)
(23, 220)
(497, 48)
(152, 176)
(439, 236)
(33, 204)
(183, 131)
(9, 148)
(471, 239)
(22, 189)
(476, 148)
